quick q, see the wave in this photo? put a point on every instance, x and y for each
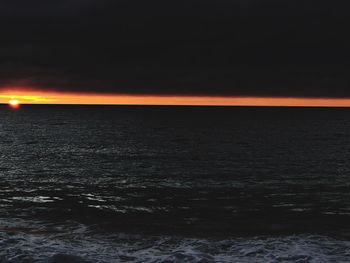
(36, 242)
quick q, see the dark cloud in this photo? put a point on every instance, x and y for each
(218, 47)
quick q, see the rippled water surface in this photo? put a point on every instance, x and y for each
(174, 184)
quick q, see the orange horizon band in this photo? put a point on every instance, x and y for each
(46, 97)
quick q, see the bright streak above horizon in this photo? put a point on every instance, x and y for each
(45, 97)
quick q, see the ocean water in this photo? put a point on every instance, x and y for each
(174, 184)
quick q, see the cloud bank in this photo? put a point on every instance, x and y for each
(208, 47)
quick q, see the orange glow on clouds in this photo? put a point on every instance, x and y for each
(45, 97)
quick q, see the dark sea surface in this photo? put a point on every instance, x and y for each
(174, 184)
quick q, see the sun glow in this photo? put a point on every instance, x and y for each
(14, 103)
(18, 97)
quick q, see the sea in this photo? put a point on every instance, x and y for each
(173, 184)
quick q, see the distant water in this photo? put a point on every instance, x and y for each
(174, 184)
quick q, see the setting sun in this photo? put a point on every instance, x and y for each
(14, 103)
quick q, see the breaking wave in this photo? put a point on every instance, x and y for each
(35, 242)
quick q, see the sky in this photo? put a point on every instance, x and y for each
(208, 50)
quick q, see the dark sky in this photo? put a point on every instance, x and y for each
(207, 47)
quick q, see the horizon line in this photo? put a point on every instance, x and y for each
(26, 97)
(178, 105)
